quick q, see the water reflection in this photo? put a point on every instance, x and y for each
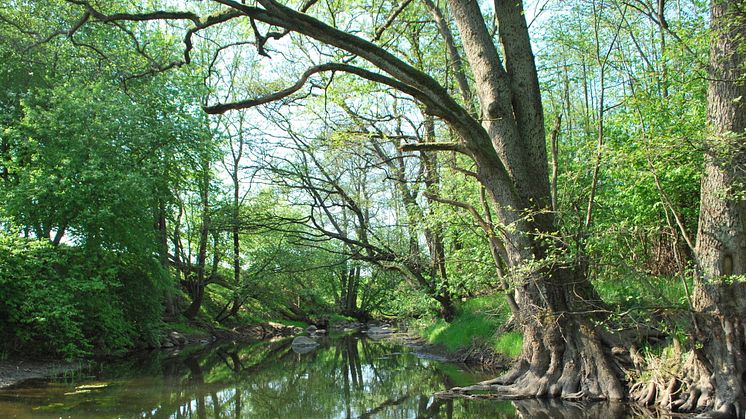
(346, 377)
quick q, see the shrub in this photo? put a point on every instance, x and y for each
(70, 302)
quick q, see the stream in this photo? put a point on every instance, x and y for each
(345, 377)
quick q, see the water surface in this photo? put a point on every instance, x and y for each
(346, 377)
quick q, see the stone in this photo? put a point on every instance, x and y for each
(301, 344)
(377, 333)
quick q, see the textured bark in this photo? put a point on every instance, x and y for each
(717, 374)
(714, 376)
(563, 354)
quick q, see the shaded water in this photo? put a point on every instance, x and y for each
(346, 377)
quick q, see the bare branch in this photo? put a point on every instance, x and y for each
(250, 103)
(459, 148)
(137, 17)
(390, 19)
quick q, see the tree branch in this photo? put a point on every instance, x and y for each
(369, 75)
(390, 19)
(459, 148)
(137, 17)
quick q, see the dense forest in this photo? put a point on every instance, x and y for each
(566, 175)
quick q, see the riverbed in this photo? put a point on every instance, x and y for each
(345, 377)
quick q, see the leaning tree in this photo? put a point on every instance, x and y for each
(566, 353)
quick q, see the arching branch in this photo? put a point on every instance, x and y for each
(459, 148)
(137, 17)
(369, 75)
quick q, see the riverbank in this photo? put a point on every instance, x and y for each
(14, 371)
(468, 339)
(477, 335)
(474, 355)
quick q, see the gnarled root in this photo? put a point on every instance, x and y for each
(712, 379)
(571, 365)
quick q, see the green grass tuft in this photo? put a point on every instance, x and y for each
(286, 322)
(509, 344)
(476, 323)
(336, 318)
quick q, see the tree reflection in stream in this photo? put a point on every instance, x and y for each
(346, 377)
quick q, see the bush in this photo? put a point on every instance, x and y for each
(68, 302)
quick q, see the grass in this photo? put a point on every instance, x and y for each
(509, 344)
(337, 318)
(643, 291)
(476, 322)
(290, 323)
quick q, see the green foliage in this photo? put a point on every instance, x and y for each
(641, 292)
(123, 166)
(291, 323)
(85, 158)
(476, 322)
(336, 318)
(69, 302)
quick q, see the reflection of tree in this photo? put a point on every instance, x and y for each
(425, 409)
(344, 377)
(554, 409)
(390, 402)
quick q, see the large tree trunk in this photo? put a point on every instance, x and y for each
(717, 369)
(563, 353)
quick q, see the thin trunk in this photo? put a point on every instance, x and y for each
(555, 159)
(456, 61)
(663, 26)
(599, 153)
(197, 284)
(58, 235)
(434, 234)
(163, 255)
(351, 291)
(178, 249)
(236, 243)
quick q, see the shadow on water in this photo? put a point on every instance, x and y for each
(345, 377)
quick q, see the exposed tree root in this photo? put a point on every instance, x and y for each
(555, 367)
(709, 379)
